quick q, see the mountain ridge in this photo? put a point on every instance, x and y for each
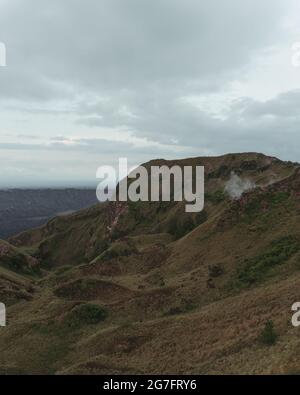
(144, 287)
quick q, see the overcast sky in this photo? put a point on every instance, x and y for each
(89, 81)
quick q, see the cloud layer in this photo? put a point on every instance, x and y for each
(90, 81)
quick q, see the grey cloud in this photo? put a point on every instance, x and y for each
(62, 47)
(284, 105)
(89, 146)
(128, 64)
(271, 126)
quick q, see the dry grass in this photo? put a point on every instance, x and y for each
(166, 313)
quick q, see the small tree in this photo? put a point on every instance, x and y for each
(268, 335)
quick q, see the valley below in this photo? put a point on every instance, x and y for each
(23, 209)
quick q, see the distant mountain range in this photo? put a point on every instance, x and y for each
(22, 209)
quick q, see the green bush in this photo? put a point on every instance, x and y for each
(257, 268)
(253, 208)
(174, 311)
(279, 197)
(268, 335)
(216, 270)
(86, 314)
(186, 307)
(215, 197)
(136, 210)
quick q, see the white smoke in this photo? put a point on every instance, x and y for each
(236, 186)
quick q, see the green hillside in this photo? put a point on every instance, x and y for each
(147, 288)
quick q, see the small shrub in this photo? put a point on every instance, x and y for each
(215, 197)
(201, 218)
(190, 306)
(86, 314)
(215, 270)
(268, 335)
(162, 282)
(279, 197)
(174, 311)
(186, 307)
(180, 226)
(117, 233)
(252, 209)
(118, 249)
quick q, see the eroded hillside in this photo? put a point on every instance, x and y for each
(147, 288)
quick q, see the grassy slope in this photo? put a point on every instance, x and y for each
(168, 309)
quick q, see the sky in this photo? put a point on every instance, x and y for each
(87, 82)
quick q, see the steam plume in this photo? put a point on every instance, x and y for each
(236, 186)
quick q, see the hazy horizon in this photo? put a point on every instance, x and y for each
(75, 184)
